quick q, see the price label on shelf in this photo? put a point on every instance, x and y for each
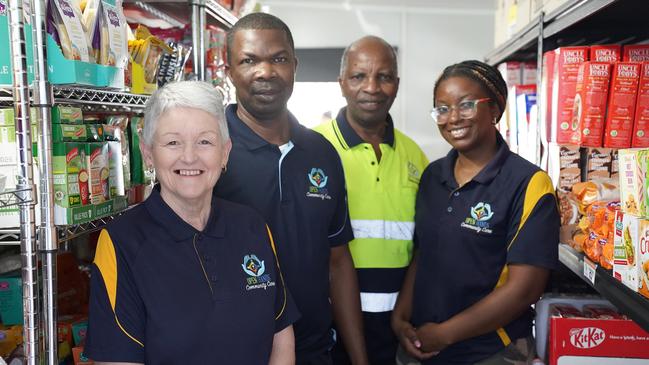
(589, 270)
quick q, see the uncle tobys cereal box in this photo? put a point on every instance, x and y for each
(621, 104)
(589, 109)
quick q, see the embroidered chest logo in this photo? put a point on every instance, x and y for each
(413, 173)
(478, 221)
(255, 269)
(318, 181)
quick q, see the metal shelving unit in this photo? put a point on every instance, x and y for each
(583, 22)
(626, 300)
(40, 241)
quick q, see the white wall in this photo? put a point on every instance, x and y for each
(429, 38)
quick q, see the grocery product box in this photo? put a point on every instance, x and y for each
(529, 70)
(597, 163)
(511, 72)
(11, 300)
(67, 115)
(70, 174)
(589, 109)
(79, 357)
(633, 169)
(566, 69)
(625, 251)
(596, 341)
(615, 164)
(606, 53)
(641, 124)
(642, 265)
(635, 53)
(549, 130)
(564, 166)
(621, 104)
(69, 133)
(98, 171)
(6, 69)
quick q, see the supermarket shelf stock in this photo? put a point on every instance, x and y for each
(85, 96)
(626, 300)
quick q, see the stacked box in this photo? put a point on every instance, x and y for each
(529, 70)
(636, 53)
(625, 253)
(67, 115)
(589, 109)
(605, 53)
(641, 123)
(566, 68)
(70, 174)
(621, 104)
(597, 162)
(633, 169)
(98, 171)
(642, 265)
(565, 166)
(511, 72)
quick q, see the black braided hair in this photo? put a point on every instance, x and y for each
(486, 75)
(257, 21)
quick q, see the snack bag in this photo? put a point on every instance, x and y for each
(114, 43)
(66, 18)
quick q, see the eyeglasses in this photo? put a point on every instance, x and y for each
(466, 109)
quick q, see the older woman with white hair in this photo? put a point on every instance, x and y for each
(185, 277)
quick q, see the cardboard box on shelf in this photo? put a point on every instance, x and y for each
(70, 173)
(589, 109)
(511, 72)
(606, 53)
(596, 341)
(621, 104)
(566, 69)
(625, 251)
(633, 170)
(529, 70)
(641, 124)
(67, 115)
(564, 166)
(635, 53)
(598, 163)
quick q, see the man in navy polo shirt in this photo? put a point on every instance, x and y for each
(294, 178)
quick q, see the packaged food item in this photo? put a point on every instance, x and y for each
(626, 250)
(511, 72)
(70, 174)
(641, 123)
(67, 115)
(89, 20)
(528, 73)
(568, 207)
(565, 311)
(621, 104)
(601, 312)
(69, 133)
(632, 180)
(567, 61)
(98, 167)
(642, 264)
(116, 131)
(114, 42)
(598, 222)
(589, 109)
(598, 163)
(606, 53)
(615, 165)
(66, 19)
(589, 192)
(636, 53)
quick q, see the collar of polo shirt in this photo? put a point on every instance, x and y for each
(352, 138)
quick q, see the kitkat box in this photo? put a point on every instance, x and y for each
(606, 53)
(621, 104)
(636, 53)
(641, 124)
(567, 61)
(596, 341)
(589, 109)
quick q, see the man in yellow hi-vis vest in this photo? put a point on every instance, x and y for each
(382, 169)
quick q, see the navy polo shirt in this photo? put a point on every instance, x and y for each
(164, 293)
(301, 194)
(467, 236)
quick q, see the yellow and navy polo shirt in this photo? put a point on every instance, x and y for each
(164, 293)
(467, 236)
(300, 192)
(381, 198)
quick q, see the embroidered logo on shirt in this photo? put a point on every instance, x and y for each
(480, 214)
(318, 181)
(414, 174)
(255, 268)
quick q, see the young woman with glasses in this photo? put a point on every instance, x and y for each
(486, 234)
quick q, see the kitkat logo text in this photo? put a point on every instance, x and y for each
(587, 338)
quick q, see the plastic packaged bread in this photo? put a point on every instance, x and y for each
(66, 17)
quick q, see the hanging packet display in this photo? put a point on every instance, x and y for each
(66, 19)
(114, 44)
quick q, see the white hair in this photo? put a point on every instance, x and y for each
(184, 94)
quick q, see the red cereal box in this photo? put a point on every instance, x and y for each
(567, 61)
(511, 72)
(636, 53)
(589, 110)
(641, 123)
(621, 104)
(605, 53)
(529, 73)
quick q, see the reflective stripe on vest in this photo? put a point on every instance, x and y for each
(378, 302)
(388, 230)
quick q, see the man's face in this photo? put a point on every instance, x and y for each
(262, 70)
(369, 83)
